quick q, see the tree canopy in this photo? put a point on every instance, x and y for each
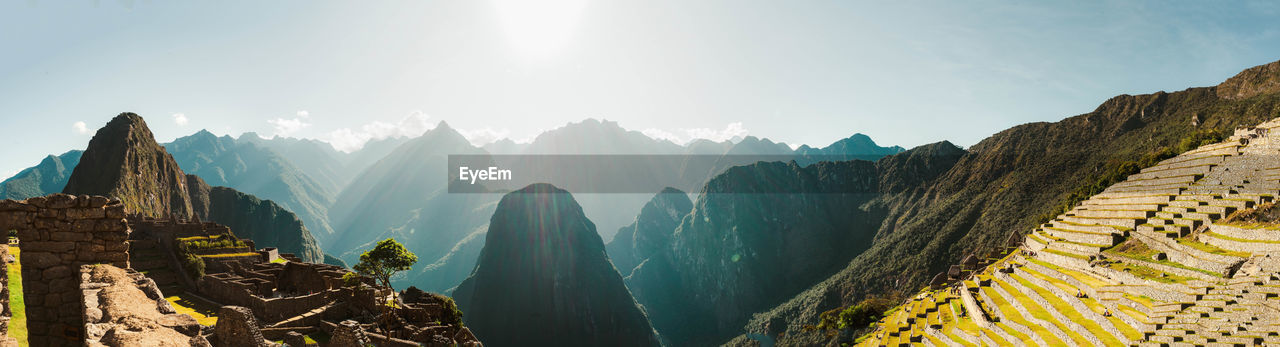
(385, 260)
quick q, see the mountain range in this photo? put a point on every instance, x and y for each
(124, 161)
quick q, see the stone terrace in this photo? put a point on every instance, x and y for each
(1146, 262)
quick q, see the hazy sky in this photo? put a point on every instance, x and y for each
(904, 72)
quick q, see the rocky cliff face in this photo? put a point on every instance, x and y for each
(124, 161)
(651, 231)
(48, 177)
(543, 279)
(757, 235)
(1258, 80)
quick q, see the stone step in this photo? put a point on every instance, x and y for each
(1185, 162)
(1104, 213)
(1084, 236)
(1184, 180)
(1172, 172)
(1128, 223)
(1239, 232)
(1140, 200)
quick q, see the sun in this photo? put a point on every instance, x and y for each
(538, 29)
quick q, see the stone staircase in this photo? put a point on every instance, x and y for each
(1147, 262)
(148, 258)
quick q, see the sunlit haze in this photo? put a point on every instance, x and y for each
(801, 73)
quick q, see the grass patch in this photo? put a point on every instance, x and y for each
(1070, 312)
(17, 305)
(1229, 238)
(280, 261)
(1139, 251)
(1149, 273)
(203, 311)
(229, 255)
(1207, 248)
(1013, 315)
(1065, 254)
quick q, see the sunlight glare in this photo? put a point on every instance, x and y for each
(538, 29)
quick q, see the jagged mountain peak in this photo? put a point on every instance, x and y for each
(123, 160)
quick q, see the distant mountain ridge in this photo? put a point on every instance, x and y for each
(250, 167)
(45, 178)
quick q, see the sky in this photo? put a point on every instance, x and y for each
(803, 72)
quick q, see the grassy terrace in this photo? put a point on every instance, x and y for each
(229, 255)
(18, 306)
(1149, 273)
(1040, 313)
(1128, 331)
(202, 310)
(1139, 251)
(1148, 258)
(1070, 312)
(1228, 238)
(1078, 276)
(1013, 315)
(1207, 248)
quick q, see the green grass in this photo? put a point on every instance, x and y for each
(1014, 316)
(1189, 242)
(1228, 238)
(280, 261)
(18, 306)
(203, 311)
(229, 255)
(1149, 273)
(1070, 312)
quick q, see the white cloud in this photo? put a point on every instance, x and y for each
(80, 128)
(304, 114)
(350, 140)
(180, 119)
(483, 136)
(287, 127)
(685, 135)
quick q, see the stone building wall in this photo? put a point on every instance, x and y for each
(59, 233)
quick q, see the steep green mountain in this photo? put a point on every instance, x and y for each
(650, 232)
(250, 167)
(405, 196)
(1014, 180)
(760, 234)
(124, 161)
(45, 178)
(543, 279)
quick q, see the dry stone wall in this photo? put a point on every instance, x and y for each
(58, 233)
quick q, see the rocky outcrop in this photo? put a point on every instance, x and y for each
(1257, 80)
(124, 161)
(120, 312)
(651, 232)
(543, 279)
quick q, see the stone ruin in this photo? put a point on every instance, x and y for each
(80, 287)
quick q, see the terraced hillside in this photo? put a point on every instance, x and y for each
(1152, 260)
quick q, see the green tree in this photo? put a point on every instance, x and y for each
(385, 260)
